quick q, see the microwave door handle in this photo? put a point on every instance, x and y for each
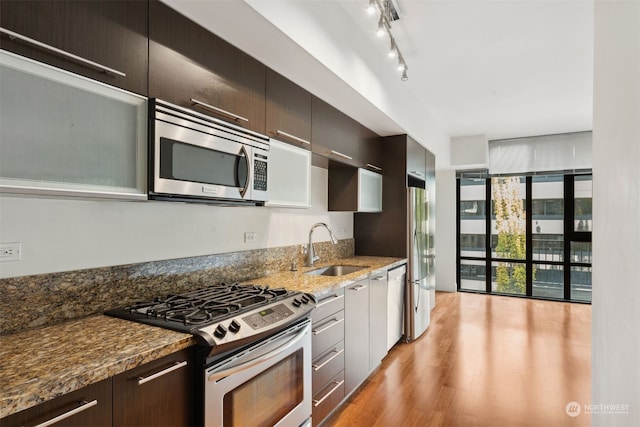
(243, 191)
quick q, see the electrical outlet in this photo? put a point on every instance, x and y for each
(10, 251)
(249, 236)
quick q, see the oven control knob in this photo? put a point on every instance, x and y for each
(220, 331)
(304, 299)
(296, 302)
(234, 326)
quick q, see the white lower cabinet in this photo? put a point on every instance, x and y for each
(356, 334)
(378, 296)
(349, 340)
(328, 353)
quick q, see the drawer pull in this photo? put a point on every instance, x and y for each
(335, 321)
(219, 110)
(295, 138)
(339, 154)
(378, 168)
(176, 365)
(336, 354)
(84, 405)
(317, 403)
(358, 288)
(379, 278)
(329, 300)
(61, 52)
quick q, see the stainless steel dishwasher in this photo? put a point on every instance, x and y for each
(397, 279)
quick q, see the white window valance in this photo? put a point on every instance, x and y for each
(537, 154)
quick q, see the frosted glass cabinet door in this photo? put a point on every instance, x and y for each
(63, 134)
(289, 176)
(369, 191)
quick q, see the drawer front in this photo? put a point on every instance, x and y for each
(328, 398)
(326, 366)
(327, 333)
(89, 406)
(328, 305)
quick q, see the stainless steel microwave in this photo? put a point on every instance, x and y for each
(197, 158)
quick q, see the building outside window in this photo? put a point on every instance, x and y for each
(537, 241)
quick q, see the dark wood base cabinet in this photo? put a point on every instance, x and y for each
(158, 393)
(89, 406)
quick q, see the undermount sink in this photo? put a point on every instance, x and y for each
(335, 270)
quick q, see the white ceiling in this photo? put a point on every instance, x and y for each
(502, 68)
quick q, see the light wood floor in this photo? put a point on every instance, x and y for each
(484, 361)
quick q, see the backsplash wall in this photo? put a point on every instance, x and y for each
(63, 235)
(32, 301)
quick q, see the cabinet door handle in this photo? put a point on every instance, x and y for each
(339, 154)
(334, 321)
(317, 403)
(379, 278)
(329, 300)
(14, 35)
(336, 354)
(295, 138)
(176, 365)
(358, 288)
(84, 405)
(219, 110)
(374, 167)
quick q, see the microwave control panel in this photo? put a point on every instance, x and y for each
(260, 175)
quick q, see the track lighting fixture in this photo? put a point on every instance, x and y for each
(387, 14)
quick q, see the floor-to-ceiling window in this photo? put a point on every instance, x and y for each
(527, 235)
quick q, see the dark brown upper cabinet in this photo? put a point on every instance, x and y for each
(416, 159)
(105, 40)
(193, 68)
(370, 150)
(404, 163)
(334, 134)
(288, 111)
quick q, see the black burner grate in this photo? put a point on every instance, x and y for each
(207, 305)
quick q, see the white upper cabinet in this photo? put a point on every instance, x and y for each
(369, 191)
(289, 176)
(63, 134)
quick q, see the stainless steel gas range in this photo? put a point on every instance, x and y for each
(254, 350)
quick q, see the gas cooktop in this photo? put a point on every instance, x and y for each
(222, 315)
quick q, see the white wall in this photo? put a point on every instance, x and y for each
(616, 216)
(446, 230)
(62, 235)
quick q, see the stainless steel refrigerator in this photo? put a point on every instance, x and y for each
(420, 295)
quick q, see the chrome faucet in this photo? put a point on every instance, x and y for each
(311, 252)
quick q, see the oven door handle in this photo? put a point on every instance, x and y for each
(248, 365)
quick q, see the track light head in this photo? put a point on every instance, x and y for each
(381, 28)
(393, 51)
(371, 9)
(404, 77)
